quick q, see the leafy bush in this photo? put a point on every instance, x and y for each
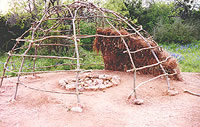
(158, 19)
(117, 6)
(9, 32)
(177, 32)
(148, 17)
(154, 13)
(87, 29)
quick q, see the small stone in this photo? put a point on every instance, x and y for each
(107, 77)
(73, 80)
(12, 100)
(77, 109)
(115, 80)
(80, 88)
(138, 101)
(88, 82)
(70, 86)
(109, 84)
(172, 92)
(86, 79)
(93, 87)
(2, 91)
(81, 80)
(82, 84)
(93, 83)
(86, 88)
(99, 81)
(35, 77)
(102, 86)
(101, 76)
(62, 83)
(94, 76)
(88, 75)
(82, 77)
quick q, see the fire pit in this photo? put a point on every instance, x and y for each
(89, 81)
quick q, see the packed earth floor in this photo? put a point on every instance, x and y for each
(101, 108)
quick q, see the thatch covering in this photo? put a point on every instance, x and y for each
(116, 59)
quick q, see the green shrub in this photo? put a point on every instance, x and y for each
(87, 29)
(158, 19)
(177, 32)
(154, 13)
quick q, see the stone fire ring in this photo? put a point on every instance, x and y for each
(89, 81)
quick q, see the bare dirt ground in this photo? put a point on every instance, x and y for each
(108, 108)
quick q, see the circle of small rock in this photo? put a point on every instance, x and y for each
(89, 81)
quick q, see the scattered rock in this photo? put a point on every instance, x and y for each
(108, 84)
(104, 77)
(138, 101)
(89, 82)
(70, 86)
(102, 86)
(76, 109)
(2, 91)
(62, 83)
(115, 80)
(12, 100)
(98, 81)
(172, 92)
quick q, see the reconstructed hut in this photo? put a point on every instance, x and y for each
(73, 28)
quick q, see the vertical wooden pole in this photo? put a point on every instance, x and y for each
(20, 69)
(4, 69)
(78, 64)
(134, 83)
(34, 60)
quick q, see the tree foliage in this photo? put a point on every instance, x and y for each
(177, 32)
(117, 6)
(134, 8)
(186, 9)
(18, 20)
(9, 32)
(177, 22)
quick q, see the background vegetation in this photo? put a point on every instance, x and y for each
(176, 26)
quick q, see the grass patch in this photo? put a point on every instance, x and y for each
(188, 55)
(89, 60)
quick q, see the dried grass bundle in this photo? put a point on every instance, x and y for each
(115, 59)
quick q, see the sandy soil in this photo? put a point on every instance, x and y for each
(108, 108)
